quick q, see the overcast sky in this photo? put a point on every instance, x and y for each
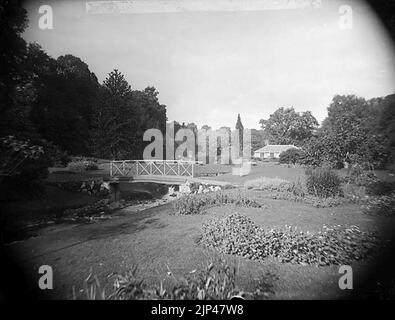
(210, 66)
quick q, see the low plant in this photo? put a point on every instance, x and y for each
(198, 203)
(217, 281)
(382, 205)
(323, 182)
(269, 184)
(380, 188)
(236, 234)
(315, 201)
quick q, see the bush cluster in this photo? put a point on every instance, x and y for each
(323, 182)
(292, 191)
(198, 203)
(238, 235)
(291, 156)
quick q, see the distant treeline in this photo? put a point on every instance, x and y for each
(60, 102)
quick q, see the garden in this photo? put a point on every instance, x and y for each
(260, 238)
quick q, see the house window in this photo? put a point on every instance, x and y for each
(271, 154)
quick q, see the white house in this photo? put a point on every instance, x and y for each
(272, 150)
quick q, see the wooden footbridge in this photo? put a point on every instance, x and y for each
(171, 172)
(160, 171)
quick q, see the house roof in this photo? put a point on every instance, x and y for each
(276, 148)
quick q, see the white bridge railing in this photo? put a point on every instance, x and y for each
(131, 168)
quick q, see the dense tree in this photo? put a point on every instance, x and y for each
(150, 114)
(350, 133)
(66, 93)
(258, 138)
(192, 126)
(386, 121)
(240, 128)
(286, 126)
(13, 21)
(122, 117)
(115, 120)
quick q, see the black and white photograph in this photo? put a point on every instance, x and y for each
(206, 150)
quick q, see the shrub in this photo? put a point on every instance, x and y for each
(82, 165)
(23, 167)
(238, 235)
(293, 191)
(323, 183)
(291, 156)
(198, 203)
(58, 157)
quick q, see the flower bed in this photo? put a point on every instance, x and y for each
(281, 189)
(317, 202)
(198, 203)
(383, 205)
(238, 235)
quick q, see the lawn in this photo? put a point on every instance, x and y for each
(262, 169)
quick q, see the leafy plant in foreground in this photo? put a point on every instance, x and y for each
(216, 281)
(238, 235)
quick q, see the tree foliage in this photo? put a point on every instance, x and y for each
(66, 92)
(354, 132)
(122, 116)
(13, 21)
(286, 126)
(291, 156)
(240, 128)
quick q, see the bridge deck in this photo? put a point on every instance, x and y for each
(171, 180)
